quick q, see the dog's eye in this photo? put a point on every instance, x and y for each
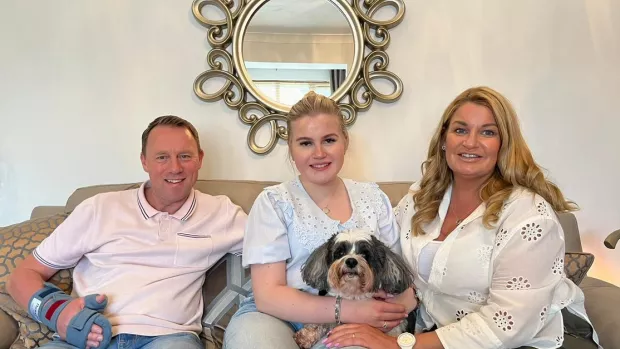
(338, 254)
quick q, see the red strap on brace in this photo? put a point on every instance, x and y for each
(52, 309)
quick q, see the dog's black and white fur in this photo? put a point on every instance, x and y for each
(352, 264)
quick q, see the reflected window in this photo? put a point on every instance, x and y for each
(290, 92)
(287, 83)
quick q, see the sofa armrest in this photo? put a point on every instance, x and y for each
(612, 239)
(237, 288)
(43, 211)
(603, 308)
(8, 330)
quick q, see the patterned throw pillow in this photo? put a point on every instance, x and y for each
(16, 243)
(577, 264)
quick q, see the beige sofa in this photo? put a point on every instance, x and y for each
(228, 282)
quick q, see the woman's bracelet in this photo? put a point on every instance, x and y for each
(337, 307)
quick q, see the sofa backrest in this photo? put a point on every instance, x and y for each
(243, 193)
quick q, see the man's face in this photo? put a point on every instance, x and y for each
(172, 160)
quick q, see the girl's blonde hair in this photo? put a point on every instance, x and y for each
(313, 104)
(515, 165)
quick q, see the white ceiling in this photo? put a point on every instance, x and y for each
(299, 16)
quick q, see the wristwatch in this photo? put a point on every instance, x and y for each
(406, 340)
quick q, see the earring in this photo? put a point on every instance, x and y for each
(443, 147)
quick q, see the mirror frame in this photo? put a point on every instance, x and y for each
(371, 38)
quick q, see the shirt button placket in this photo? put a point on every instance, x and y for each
(164, 226)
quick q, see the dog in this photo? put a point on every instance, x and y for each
(354, 265)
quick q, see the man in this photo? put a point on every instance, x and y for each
(142, 252)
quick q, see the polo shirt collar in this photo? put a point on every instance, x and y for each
(183, 213)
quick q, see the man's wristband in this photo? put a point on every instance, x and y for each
(46, 304)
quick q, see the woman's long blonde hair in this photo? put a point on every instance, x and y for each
(515, 165)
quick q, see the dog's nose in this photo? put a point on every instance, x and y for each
(351, 262)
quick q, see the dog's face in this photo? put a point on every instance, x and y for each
(354, 264)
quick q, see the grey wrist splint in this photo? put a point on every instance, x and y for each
(46, 305)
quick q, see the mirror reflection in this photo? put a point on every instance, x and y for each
(291, 47)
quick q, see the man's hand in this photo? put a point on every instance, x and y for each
(75, 306)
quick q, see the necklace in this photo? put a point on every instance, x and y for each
(325, 208)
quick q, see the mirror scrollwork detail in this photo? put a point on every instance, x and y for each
(269, 53)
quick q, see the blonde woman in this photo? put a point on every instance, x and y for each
(481, 232)
(288, 221)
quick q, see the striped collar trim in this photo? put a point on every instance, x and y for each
(182, 213)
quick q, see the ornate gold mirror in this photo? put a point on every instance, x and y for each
(266, 54)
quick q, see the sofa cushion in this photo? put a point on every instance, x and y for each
(577, 264)
(8, 330)
(571, 231)
(16, 243)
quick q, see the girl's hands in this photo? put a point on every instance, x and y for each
(407, 298)
(376, 313)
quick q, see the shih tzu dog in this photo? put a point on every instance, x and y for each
(354, 265)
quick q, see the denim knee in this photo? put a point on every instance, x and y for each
(182, 340)
(260, 331)
(58, 344)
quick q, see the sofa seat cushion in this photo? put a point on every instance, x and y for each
(16, 243)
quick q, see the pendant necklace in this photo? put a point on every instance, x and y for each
(326, 209)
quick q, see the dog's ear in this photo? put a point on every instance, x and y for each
(314, 270)
(394, 275)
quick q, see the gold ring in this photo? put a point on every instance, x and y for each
(384, 324)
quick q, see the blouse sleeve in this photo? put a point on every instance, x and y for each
(388, 229)
(401, 211)
(527, 265)
(266, 239)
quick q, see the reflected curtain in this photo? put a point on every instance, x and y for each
(337, 77)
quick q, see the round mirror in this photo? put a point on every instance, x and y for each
(281, 49)
(291, 47)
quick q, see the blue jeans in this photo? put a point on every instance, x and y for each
(250, 328)
(182, 340)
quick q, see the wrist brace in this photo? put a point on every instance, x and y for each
(46, 305)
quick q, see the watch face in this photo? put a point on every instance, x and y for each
(406, 340)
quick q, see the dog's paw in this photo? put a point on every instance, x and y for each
(307, 337)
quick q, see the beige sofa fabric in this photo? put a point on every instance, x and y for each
(602, 299)
(8, 330)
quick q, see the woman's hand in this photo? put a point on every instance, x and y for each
(359, 335)
(376, 313)
(407, 298)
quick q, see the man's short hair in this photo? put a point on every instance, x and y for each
(169, 120)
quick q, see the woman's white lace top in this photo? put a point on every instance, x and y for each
(498, 287)
(284, 224)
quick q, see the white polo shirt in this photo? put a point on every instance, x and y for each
(150, 264)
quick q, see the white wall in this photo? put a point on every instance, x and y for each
(80, 80)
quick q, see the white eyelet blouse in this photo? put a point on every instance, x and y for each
(502, 287)
(284, 224)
